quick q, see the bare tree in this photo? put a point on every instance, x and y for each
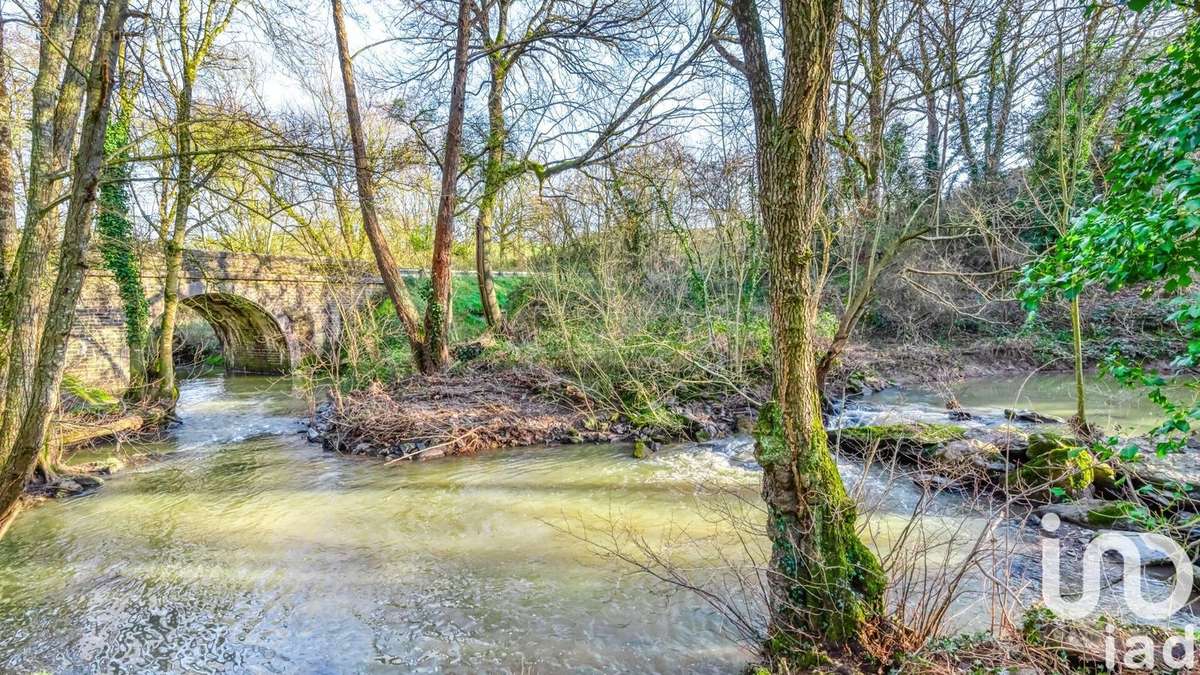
(27, 416)
(824, 581)
(388, 269)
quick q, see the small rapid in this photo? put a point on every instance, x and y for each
(244, 548)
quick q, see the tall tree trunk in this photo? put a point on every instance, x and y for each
(406, 311)
(437, 310)
(8, 211)
(27, 286)
(74, 85)
(493, 181)
(824, 583)
(20, 455)
(167, 389)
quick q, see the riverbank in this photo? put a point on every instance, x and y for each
(489, 403)
(70, 469)
(481, 408)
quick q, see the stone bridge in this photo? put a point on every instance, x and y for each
(268, 312)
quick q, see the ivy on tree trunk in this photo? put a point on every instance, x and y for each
(117, 242)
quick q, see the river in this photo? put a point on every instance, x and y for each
(1112, 406)
(247, 549)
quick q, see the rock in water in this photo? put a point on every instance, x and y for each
(1167, 477)
(1032, 417)
(67, 487)
(89, 482)
(641, 450)
(1011, 441)
(1067, 471)
(911, 440)
(1097, 513)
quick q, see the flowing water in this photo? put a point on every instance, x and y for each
(244, 548)
(247, 549)
(1114, 407)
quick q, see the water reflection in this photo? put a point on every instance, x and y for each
(248, 549)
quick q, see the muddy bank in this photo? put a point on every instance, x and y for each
(867, 367)
(478, 409)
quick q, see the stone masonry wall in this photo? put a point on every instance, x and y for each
(270, 312)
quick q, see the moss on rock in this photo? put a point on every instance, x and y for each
(1105, 477)
(918, 434)
(1066, 469)
(1046, 442)
(1122, 515)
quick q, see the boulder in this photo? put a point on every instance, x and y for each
(1105, 478)
(1174, 473)
(1011, 441)
(1044, 443)
(1066, 469)
(1098, 513)
(641, 449)
(1031, 417)
(913, 440)
(1075, 512)
(67, 487)
(88, 482)
(970, 453)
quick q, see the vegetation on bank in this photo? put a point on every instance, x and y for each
(879, 169)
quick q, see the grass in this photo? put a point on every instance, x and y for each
(88, 399)
(468, 322)
(375, 347)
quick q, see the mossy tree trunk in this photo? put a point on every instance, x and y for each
(824, 583)
(27, 287)
(25, 430)
(8, 212)
(117, 244)
(494, 178)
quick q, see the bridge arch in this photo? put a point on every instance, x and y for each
(270, 313)
(252, 339)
